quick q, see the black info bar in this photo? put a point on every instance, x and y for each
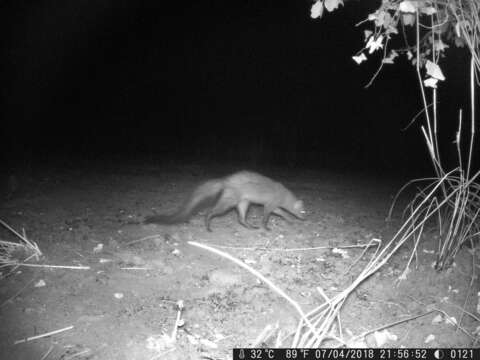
(356, 354)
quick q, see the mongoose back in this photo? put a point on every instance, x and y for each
(238, 190)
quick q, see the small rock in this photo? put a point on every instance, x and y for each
(98, 248)
(40, 283)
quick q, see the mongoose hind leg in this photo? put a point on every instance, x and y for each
(223, 204)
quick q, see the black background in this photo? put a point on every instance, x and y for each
(253, 83)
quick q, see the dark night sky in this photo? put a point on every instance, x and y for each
(220, 80)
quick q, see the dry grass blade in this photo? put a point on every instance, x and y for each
(448, 201)
(424, 209)
(17, 293)
(14, 253)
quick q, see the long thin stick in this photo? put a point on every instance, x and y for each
(293, 249)
(143, 239)
(261, 277)
(383, 327)
(55, 266)
(43, 335)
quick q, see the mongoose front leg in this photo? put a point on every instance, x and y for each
(242, 209)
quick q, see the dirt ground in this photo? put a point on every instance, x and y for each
(122, 307)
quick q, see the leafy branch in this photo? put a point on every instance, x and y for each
(442, 23)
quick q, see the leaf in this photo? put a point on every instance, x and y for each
(440, 45)
(430, 82)
(331, 5)
(380, 18)
(408, 19)
(429, 10)
(450, 320)
(367, 34)
(459, 42)
(429, 338)
(343, 253)
(434, 70)
(373, 45)
(407, 7)
(391, 30)
(317, 10)
(390, 58)
(381, 337)
(387, 20)
(359, 58)
(437, 319)
(409, 55)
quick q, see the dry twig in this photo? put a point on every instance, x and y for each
(43, 335)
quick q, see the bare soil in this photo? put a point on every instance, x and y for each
(121, 307)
